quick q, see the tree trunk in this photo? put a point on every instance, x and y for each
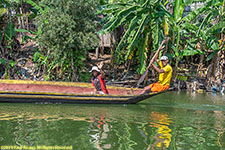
(200, 66)
(175, 72)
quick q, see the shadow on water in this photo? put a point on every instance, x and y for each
(171, 120)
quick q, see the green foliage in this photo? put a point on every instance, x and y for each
(0, 36)
(85, 76)
(143, 52)
(151, 17)
(188, 31)
(32, 3)
(25, 37)
(210, 28)
(67, 32)
(39, 58)
(2, 11)
(2, 61)
(11, 63)
(10, 31)
(215, 27)
(178, 10)
(142, 20)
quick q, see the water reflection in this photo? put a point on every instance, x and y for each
(163, 135)
(98, 130)
(220, 119)
(179, 121)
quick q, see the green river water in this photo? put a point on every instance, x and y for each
(172, 120)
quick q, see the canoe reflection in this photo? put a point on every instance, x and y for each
(98, 131)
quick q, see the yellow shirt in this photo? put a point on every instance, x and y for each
(164, 78)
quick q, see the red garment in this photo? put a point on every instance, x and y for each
(102, 83)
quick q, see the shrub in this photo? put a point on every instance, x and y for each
(66, 32)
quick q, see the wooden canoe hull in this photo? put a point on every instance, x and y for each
(63, 92)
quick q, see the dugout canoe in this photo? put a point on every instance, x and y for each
(26, 91)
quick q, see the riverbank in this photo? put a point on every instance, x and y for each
(26, 68)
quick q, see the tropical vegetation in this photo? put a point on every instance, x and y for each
(197, 37)
(65, 35)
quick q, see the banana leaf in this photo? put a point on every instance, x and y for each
(194, 14)
(119, 18)
(212, 55)
(178, 10)
(144, 21)
(10, 31)
(205, 22)
(35, 6)
(199, 11)
(132, 26)
(2, 11)
(191, 52)
(112, 8)
(155, 35)
(216, 27)
(142, 53)
(23, 31)
(6, 3)
(102, 2)
(215, 45)
(178, 30)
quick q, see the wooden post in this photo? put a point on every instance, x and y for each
(102, 45)
(22, 21)
(27, 22)
(97, 52)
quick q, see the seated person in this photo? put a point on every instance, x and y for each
(165, 74)
(98, 80)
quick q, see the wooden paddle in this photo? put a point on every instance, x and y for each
(146, 72)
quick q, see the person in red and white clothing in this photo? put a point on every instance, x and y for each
(98, 80)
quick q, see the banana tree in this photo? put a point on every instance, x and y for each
(179, 45)
(186, 32)
(147, 23)
(142, 21)
(211, 27)
(209, 32)
(182, 42)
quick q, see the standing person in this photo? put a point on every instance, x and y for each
(98, 80)
(165, 74)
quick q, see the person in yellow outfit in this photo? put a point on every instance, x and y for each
(165, 74)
